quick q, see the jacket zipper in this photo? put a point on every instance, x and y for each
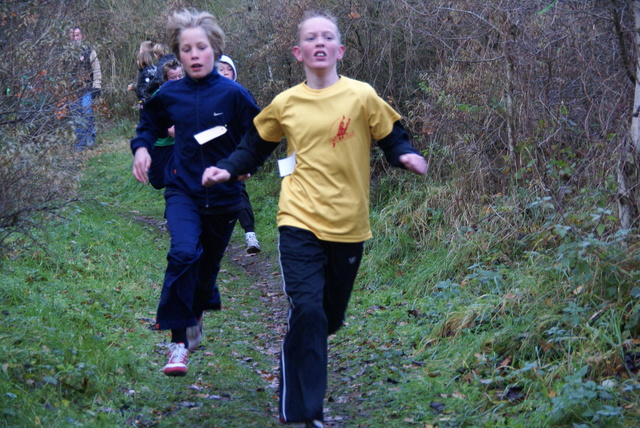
(206, 190)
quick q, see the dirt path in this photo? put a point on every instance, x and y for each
(263, 276)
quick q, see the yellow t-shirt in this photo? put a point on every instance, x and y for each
(330, 131)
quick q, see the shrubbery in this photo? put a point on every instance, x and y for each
(512, 102)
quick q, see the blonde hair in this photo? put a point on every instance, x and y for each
(184, 19)
(160, 49)
(144, 59)
(310, 14)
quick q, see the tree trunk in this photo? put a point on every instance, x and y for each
(628, 163)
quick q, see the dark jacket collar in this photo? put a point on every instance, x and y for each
(210, 78)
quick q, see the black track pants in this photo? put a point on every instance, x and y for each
(318, 278)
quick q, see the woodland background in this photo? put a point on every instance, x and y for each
(524, 110)
(506, 98)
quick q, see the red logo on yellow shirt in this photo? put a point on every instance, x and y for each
(342, 132)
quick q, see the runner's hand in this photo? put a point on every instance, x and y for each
(213, 175)
(141, 164)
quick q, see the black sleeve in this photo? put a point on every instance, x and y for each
(157, 80)
(249, 155)
(140, 86)
(396, 144)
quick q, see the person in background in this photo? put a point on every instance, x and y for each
(329, 121)
(146, 46)
(172, 70)
(86, 79)
(162, 54)
(210, 114)
(227, 68)
(146, 73)
(246, 218)
(163, 148)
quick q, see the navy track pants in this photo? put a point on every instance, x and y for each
(198, 242)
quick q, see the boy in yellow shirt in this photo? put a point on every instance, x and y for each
(323, 212)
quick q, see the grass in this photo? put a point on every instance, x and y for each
(449, 326)
(77, 311)
(502, 338)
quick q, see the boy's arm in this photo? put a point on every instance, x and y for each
(248, 156)
(153, 124)
(147, 133)
(415, 163)
(400, 153)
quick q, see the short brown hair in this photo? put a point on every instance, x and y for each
(173, 64)
(189, 18)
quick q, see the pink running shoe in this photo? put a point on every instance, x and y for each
(176, 360)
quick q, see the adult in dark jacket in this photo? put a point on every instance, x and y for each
(210, 114)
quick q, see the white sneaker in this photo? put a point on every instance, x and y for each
(253, 246)
(194, 334)
(176, 360)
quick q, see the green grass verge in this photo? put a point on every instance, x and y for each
(77, 310)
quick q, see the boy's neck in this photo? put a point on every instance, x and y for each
(317, 80)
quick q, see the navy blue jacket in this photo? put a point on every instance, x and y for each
(195, 106)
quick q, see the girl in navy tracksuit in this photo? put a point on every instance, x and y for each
(200, 219)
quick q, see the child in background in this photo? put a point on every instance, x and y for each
(145, 75)
(146, 46)
(323, 213)
(172, 70)
(162, 54)
(163, 148)
(210, 114)
(227, 68)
